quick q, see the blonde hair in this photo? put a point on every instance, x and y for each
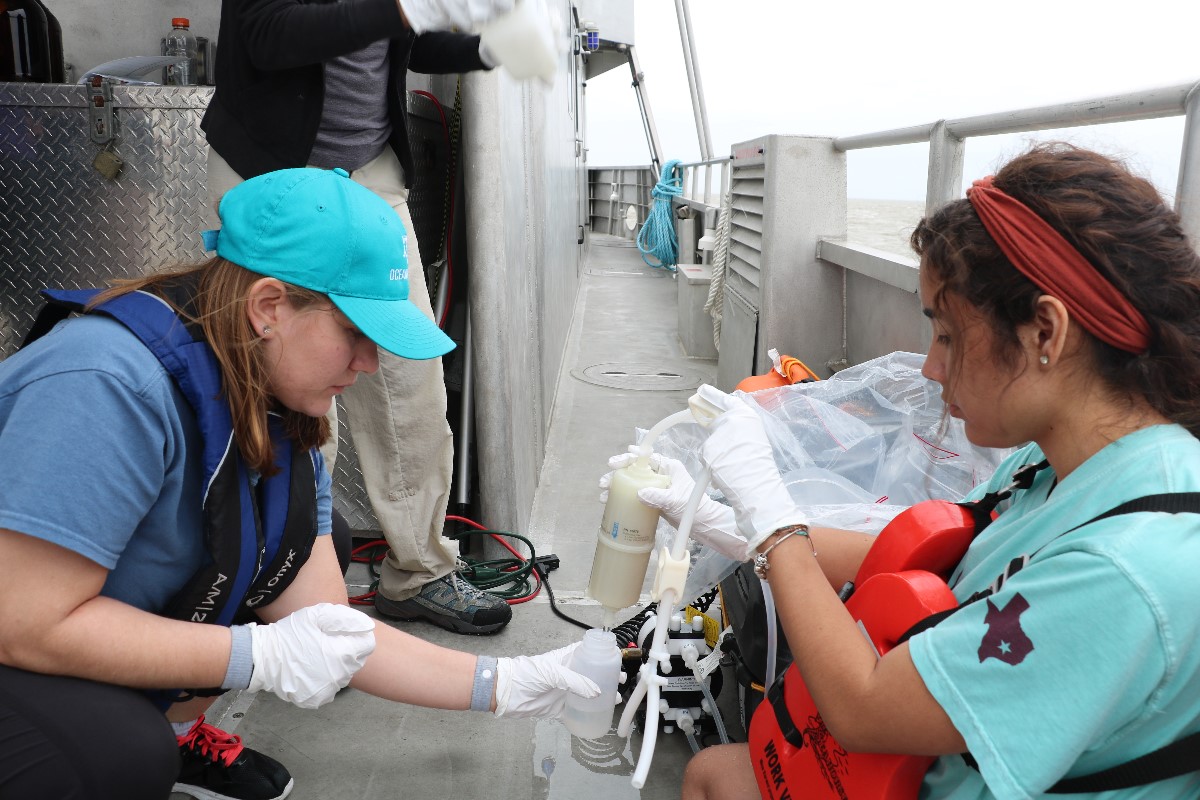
(219, 308)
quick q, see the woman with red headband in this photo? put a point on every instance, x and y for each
(1065, 304)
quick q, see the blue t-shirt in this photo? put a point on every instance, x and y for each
(1089, 656)
(100, 454)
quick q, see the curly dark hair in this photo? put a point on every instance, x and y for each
(1119, 223)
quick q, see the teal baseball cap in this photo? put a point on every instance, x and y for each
(319, 230)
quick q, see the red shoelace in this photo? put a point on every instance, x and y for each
(212, 742)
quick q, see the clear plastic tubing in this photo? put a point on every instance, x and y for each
(772, 634)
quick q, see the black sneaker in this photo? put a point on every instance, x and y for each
(451, 603)
(216, 766)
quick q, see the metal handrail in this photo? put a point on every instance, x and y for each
(946, 137)
(692, 172)
(1149, 104)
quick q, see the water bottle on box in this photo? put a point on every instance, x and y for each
(181, 44)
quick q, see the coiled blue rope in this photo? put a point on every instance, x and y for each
(657, 236)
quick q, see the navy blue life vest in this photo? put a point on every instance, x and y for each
(257, 532)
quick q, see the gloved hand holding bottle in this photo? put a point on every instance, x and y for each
(713, 524)
(307, 656)
(743, 468)
(537, 686)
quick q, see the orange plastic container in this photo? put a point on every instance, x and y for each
(794, 371)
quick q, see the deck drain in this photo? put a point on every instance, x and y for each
(640, 377)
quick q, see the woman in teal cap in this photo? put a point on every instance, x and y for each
(169, 478)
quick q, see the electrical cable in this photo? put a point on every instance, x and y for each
(657, 236)
(538, 567)
(376, 551)
(559, 612)
(487, 575)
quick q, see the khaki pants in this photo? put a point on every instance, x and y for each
(397, 418)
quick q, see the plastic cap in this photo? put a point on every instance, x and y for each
(180, 22)
(703, 410)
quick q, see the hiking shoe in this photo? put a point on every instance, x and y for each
(216, 766)
(451, 603)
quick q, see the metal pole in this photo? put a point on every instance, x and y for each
(466, 419)
(639, 87)
(1187, 195)
(944, 182)
(683, 12)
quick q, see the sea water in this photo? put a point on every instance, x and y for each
(884, 224)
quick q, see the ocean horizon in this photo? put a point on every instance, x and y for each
(883, 224)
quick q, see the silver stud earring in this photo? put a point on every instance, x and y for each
(267, 332)
(1044, 360)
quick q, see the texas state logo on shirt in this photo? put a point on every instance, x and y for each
(1005, 640)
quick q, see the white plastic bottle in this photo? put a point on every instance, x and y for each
(598, 658)
(181, 43)
(625, 540)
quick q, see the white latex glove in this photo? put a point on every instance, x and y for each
(537, 686)
(743, 468)
(714, 523)
(307, 656)
(443, 15)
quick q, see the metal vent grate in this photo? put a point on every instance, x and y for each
(747, 187)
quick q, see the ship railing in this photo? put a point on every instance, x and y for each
(619, 199)
(613, 191)
(947, 140)
(697, 182)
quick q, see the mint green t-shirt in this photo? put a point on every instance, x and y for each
(1089, 655)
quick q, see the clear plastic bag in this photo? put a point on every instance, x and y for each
(854, 450)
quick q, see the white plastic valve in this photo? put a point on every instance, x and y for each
(704, 411)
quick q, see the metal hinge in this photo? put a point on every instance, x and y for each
(100, 109)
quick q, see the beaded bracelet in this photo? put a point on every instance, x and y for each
(761, 564)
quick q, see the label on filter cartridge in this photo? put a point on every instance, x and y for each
(632, 538)
(629, 524)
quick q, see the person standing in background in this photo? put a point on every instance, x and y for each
(322, 84)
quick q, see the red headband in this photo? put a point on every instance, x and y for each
(1041, 254)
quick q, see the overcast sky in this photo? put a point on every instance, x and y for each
(842, 68)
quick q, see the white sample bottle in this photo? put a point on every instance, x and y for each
(626, 538)
(598, 658)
